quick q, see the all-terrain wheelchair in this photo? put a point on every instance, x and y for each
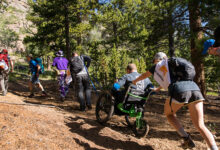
(132, 106)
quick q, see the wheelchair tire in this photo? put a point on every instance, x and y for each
(142, 131)
(104, 107)
(129, 120)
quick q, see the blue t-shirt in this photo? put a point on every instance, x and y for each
(33, 66)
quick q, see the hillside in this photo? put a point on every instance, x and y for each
(15, 16)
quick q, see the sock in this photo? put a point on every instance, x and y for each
(181, 132)
(214, 147)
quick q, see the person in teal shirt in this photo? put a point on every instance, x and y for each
(34, 80)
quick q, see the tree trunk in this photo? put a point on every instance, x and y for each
(48, 63)
(196, 35)
(68, 52)
(171, 36)
(79, 38)
(115, 34)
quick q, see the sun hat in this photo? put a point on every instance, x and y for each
(59, 53)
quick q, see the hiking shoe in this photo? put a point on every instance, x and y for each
(44, 93)
(4, 93)
(62, 99)
(89, 107)
(82, 108)
(188, 142)
(31, 95)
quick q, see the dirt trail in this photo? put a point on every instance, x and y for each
(42, 123)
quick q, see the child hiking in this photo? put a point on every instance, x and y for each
(176, 75)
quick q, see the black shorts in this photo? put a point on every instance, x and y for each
(187, 97)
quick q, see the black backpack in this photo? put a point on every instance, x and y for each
(181, 70)
(76, 64)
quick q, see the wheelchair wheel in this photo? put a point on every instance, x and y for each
(104, 107)
(142, 130)
(129, 120)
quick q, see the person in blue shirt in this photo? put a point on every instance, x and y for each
(212, 46)
(34, 69)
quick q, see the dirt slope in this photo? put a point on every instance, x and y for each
(42, 123)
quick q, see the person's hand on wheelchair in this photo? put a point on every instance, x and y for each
(116, 87)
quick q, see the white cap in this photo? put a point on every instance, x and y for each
(160, 56)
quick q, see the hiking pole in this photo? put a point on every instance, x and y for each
(97, 82)
(91, 79)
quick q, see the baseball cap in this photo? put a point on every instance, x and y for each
(159, 56)
(208, 43)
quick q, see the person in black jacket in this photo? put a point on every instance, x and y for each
(82, 80)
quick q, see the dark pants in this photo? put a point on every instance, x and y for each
(119, 97)
(83, 85)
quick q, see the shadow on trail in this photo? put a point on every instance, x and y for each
(93, 134)
(85, 145)
(172, 135)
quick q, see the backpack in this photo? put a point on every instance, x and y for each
(3, 57)
(181, 70)
(76, 64)
(39, 62)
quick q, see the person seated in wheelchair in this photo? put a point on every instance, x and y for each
(137, 90)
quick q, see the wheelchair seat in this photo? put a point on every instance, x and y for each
(136, 97)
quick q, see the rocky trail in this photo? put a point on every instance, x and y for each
(42, 123)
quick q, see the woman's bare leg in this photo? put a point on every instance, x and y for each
(197, 117)
(171, 115)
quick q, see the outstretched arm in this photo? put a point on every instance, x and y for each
(142, 77)
(214, 51)
(87, 59)
(12, 65)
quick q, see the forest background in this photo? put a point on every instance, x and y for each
(116, 32)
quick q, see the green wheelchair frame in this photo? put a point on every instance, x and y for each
(139, 127)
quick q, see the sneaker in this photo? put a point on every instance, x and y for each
(188, 142)
(4, 93)
(44, 93)
(31, 95)
(89, 107)
(82, 108)
(62, 99)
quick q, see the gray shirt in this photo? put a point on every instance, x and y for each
(132, 76)
(86, 61)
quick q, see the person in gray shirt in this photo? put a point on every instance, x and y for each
(131, 75)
